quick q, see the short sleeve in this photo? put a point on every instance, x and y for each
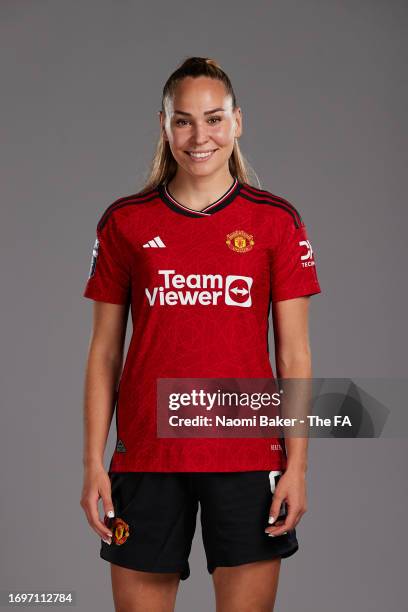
(109, 274)
(293, 265)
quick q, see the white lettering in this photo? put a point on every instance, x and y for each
(173, 290)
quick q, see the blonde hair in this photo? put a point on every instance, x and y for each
(163, 166)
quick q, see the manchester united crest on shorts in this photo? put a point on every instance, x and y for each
(120, 529)
(95, 251)
(240, 241)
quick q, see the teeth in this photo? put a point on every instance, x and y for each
(201, 154)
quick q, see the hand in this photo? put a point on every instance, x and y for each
(97, 484)
(291, 488)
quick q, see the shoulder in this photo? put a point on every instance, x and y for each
(120, 209)
(279, 207)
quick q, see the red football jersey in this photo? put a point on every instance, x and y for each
(163, 258)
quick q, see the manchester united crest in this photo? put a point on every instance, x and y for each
(119, 528)
(240, 241)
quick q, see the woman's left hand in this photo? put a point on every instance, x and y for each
(291, 488)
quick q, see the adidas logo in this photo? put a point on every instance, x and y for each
(120, 447)
(155, 242)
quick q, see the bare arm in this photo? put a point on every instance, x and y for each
(104, 366)
(103, 369)
(293, 360)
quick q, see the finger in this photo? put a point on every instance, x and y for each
(299, 516)
(275, 508)
(107, 502)
(91, 510)
(278, 523)
(289, 523)
(278, 530)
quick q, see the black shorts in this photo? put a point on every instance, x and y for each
(155, 519)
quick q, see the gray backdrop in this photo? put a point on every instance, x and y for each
(324, 106)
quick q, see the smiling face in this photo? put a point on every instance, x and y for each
(200, 126)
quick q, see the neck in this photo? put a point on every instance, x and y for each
(197, 192)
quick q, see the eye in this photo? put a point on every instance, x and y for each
(215, 119)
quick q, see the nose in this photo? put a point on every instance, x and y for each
(200, 134)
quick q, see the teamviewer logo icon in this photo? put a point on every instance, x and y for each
(238, 291)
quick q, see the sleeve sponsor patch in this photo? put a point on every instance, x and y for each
(95, 252)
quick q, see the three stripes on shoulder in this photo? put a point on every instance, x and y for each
(155, 242)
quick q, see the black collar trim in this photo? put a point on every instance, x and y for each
(209, 210)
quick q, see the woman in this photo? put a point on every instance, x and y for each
(197, 255)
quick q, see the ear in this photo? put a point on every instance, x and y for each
(238, 122)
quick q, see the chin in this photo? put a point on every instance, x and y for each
(197, 169)
(203, 172)
(203, 169)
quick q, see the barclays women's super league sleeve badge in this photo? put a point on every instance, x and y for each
(95, 251)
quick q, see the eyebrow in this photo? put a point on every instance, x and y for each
(209, 112)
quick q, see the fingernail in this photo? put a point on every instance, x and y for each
(107, 541)
(271, 535)
(271, 520)
(111, 514)
(284, 532)
(110, 535)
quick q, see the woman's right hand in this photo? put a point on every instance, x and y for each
(97, 484)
